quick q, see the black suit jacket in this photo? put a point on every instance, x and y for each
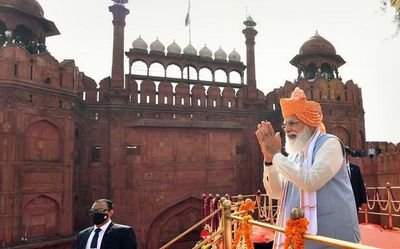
(357, 183)
(116, 236)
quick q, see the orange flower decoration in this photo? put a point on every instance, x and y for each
(248, 205)
(295, 228)
(245, 230)
(244, 233)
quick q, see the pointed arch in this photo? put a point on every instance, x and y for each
(173, 71)
(42, 142)
(205, 74)
(343, 134)
(228, 97)
(235, 77)
(220, 75)
(183, 208)
(139, 67)
(182, 94)
(41, 217)
(198, 96)
(165, 93)
(23, 35)
(190, 73)
(157, 69)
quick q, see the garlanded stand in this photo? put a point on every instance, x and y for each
(296, 227)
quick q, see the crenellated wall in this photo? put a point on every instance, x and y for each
(162, 138)
(37, 102)
(181, 125)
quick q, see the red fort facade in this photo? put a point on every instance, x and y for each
(152, 142)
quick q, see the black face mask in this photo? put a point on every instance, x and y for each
(98, 218)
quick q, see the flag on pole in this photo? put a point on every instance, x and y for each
(187, 19)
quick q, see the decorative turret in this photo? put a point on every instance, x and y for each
(317, 56)
(174, 48)
(234, 56)
(205, 52)
(157, 47)
(139, 43)
(220, 54)
(189, 50)
(24, 23)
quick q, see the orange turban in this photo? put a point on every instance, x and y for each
(309, 112)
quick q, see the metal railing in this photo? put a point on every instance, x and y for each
(382, 199)
(190, 229)
(325, 240)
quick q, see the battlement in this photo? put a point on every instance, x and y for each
(40, 69)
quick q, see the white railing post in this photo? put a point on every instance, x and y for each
(366, 210)
(389, 202)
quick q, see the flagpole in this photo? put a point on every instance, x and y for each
(190, 34)
(190, 29)
(188, 23)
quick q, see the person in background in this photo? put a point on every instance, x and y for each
(371, 152)
(313, 176)
(104, 234)
(357, 182)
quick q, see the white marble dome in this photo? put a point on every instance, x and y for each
(139, 43)
(174, 48)
(205, 52)
(234, 56)
(157, 46)
(220, 54)
(189, 50)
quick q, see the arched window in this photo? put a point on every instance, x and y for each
(23, 35)
(205, 74)
(190, 73)
(220, 76)
(311, 71)
(139, 68)
(234, 77)
(61, 79)
(31, 73)
(173, 71)
(326, 72)
(156, 69)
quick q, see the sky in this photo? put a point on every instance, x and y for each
(360, 31)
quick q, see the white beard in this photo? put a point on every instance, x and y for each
(297, 144)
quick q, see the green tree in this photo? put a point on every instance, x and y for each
(396, 18)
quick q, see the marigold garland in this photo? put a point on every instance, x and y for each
(244, 231)
(295, 228)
